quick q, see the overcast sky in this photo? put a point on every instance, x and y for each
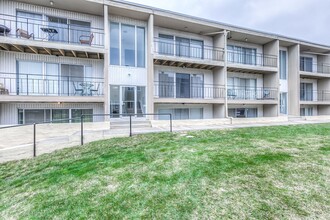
(303, 19)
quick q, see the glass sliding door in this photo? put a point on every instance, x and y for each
(30, 78)
(72, 80)
(306, 64)
(166, 85)
(283, 103)
(114, 44)
(182, 47)
(306, 91)
(60, 115)
(197, 86)
(36, 116)
(115, 101)
(61, 26)
(52, 79)
(196, 49)
(182, 85)
(77, 29)
(29, 22)
(166, 44)
(140, 100)
(283, 65)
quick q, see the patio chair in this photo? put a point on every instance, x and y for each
(77, 89)
(95, 90)
(4, 30)
(86, 39)
(267, 94)
(3, 90)
(24, 34)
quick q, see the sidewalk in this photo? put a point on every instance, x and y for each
(17, 143)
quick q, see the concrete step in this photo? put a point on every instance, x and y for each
(295, 118)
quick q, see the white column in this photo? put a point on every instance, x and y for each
(106, 60)
(150, 66)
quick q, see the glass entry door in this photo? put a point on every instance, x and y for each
(128, 98)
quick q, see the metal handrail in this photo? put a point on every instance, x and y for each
(314, 95)
(315, 67)
(256, 59)
(174, 48)
(252, 93)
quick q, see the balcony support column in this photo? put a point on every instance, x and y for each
(294, 80)
(150, 67)
(106, 61)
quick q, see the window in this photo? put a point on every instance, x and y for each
(241, 88)
(181, 113)
(127, 45)
(166, 85)
(29, 22)
(29, 78)
(243, 112)
(30, 116)
(166, 44)
(306, 91)
(284, 103)
(283, 66)
(306, 111)
(182, 85)
(242, 55)
(306, 64)
(76, 115)
(59, 115)
(115, 101)
(77, 29)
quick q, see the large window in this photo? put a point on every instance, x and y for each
(30, 22)
(76, 115)
(241, 88)
(166, 44)
(306, 64)
(283, 64)
(30, 116)
(243, 112)
(181, 113)
(180, 85)
(242, 55)
(127, 45)
(306, 111)
(306, 91)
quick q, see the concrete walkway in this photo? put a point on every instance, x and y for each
(17, 143)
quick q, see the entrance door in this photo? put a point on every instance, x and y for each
(128, 98)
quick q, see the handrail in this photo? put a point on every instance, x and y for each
(314, 95)
(323, 68)
(255, 59)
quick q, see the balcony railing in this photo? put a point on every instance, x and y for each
(198, 52)
(254, 59)
(49, 85)
(315, 67)
(315, 95)
(252, 93)
(43, 30)
(188, 90)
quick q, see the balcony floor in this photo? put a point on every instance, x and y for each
(243, 68)
(188, 101)
(50, 48)
(50, 99)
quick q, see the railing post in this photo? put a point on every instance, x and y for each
(27, 84)
(34, 141)
(130, 125)
(171, 129)
(82, 130)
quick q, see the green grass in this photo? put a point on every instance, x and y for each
(255, 173)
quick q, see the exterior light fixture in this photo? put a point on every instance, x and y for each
(51, 3)
(246, 39)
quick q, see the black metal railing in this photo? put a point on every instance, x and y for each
(49, 85)
(254, 59)
(315, 67)
(315, 95)
(44, 30)
(176, 49)
(188, 90)
(252, 93)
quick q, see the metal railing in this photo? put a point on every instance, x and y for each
(315, 67)
(252, 93)
(49, 85)
(82, 120)
(315, 95)
(176, 49)
(45, 30)
(254, 59)
(188, 90)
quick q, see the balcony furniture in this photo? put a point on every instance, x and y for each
(4, 30)
(25, 34)
(86, 87)
(77, 89)
(51, 32)
(86, 39)
(3, 90)
(95, 90)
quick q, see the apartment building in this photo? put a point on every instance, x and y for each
(60, 59)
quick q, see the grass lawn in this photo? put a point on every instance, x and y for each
(259, 173)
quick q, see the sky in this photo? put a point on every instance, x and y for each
(302, 19)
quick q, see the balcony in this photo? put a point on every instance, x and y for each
(315, 96)
(45, 87)
(252, 94)
(171, 53)
(315, 70)
(171, 92)
(251, 62)
(30, 35)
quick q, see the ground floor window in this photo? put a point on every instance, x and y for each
(243, 112)
(30, 116)
(306, 111)
(181, 113)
